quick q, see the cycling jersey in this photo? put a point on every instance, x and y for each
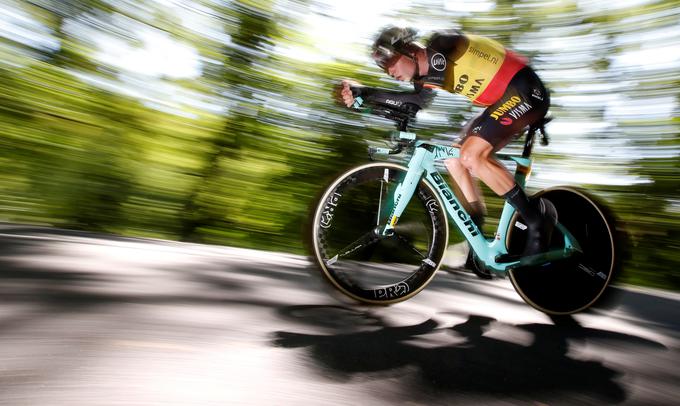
(486, 73)
(476, 67)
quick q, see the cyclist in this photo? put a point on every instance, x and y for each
(489, 75)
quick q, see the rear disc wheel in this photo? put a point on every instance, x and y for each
(576, 283)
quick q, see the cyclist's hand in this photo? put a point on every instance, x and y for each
(346, 93)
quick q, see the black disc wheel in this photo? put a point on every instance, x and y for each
(570, 285)
(352, 251)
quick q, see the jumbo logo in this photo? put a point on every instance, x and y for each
(438, 62)
(392, 292)
(506, 107)
(474, 88)
(446, 191)
(461, 83)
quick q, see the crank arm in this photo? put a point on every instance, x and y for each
(543, 258)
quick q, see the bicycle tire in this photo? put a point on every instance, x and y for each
(388, 270)
(574, 284)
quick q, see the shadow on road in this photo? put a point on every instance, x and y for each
(468, 362)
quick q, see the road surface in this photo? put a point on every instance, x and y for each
(99, 320)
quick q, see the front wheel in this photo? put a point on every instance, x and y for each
(352, 252)
(573, 284)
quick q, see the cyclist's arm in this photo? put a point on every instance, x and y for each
(420, 96)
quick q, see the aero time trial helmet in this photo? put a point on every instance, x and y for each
(391, 42)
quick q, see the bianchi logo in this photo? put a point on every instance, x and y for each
(438, 62)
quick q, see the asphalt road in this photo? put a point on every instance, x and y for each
(97, 320)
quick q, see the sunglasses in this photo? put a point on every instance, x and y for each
(384, 57)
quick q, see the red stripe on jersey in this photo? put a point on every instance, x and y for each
(511, 65)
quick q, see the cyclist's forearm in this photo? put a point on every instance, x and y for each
(396, 99)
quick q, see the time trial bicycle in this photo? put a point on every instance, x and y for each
(380, 230)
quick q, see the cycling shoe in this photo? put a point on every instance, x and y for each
(538, 238)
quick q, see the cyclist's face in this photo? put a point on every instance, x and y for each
(402, 68)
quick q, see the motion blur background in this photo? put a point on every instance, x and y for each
(212, 120)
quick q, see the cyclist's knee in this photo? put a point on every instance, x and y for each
(454, 166)
(475, 152)
(471, 162)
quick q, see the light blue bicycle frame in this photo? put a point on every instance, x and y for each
(488, 250)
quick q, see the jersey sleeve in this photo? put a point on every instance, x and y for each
(447, 41)
(420, 96)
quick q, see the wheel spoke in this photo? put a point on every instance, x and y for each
(408, 244)
(362, 242)
(384, 184)
(377, 220)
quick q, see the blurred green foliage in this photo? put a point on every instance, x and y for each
(237, 152)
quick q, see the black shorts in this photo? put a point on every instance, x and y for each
(524, 102)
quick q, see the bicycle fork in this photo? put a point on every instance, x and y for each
(405, 190)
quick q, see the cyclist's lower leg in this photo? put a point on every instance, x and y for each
(469, 186)
(470, 189)
(476, 155)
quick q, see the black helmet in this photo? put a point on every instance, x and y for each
(390, 42)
